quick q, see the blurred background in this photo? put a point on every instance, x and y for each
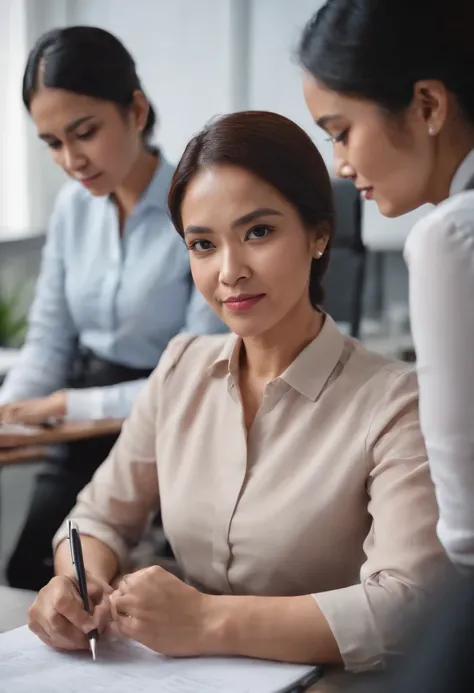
(196, 59)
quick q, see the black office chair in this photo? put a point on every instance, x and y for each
(344, 282)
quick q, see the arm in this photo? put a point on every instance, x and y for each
(365, 622)
(440, 256)
(113, 509)
(114, 401)
(46, 355)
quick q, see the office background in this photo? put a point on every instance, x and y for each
(196, 59)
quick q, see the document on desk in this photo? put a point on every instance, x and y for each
(123, 666)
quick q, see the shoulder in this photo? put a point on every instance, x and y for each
(188, 357)
(388, 382)
(447, 226)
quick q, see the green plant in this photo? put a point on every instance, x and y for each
(12, 321)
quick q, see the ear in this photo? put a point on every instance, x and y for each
(139, 109)
(318, 240)
(431, 103)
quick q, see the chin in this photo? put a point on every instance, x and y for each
(393, 210)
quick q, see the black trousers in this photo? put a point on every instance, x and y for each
(61, 479)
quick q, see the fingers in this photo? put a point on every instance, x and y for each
(58, 617)
(102, 615)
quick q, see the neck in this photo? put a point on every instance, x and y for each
(128, 193)
(450, 156)
(267, 356)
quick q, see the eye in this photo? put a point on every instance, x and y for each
(54, 144)
(87, 135)
(200, 246)
(342, 137)
(259, 232)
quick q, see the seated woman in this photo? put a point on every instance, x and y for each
(287, 460)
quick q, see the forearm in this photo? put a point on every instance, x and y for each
(289, 629)
(99, 559)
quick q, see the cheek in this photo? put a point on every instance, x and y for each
(205, 273)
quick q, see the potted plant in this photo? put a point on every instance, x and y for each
(12, 321)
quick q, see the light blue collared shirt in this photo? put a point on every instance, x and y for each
(122, 297)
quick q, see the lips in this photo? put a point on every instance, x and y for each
(366, 193)
(243, 302)
(90, 180)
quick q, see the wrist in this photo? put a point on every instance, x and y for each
(59, 404)
(225, 625)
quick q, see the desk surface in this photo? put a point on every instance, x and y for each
(71, 430)
(14, 606)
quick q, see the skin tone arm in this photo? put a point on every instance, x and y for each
(162, 612)
(100, 560)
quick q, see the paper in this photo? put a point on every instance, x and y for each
(122, 666)
(15, 429)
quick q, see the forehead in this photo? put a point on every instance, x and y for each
(324, 102)
(228, 190)
(54, 109)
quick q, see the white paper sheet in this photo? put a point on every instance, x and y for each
(122, 666)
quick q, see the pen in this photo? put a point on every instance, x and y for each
(78, 563)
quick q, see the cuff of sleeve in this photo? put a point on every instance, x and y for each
(351, 620)
(84, 404)
(101, 532)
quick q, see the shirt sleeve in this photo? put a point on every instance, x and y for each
(51, 337)
(200, 318)
(440, 257)
(404, 558)
(115, 506)
(113, 401)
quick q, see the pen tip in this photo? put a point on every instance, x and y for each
(92, 642)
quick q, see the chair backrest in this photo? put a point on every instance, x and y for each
(344, 282)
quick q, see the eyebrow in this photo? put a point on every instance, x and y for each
(241, 221)
(326, 120)
(69, 128)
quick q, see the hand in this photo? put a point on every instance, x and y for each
(58, 617)
(160, 611)
(35, 411)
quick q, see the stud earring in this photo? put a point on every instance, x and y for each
(319, 254)
(432, 131)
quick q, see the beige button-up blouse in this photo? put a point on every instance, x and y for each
(328, 494)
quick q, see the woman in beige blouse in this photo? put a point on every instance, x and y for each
(287, 460)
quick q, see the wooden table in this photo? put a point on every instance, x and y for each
(20, 448)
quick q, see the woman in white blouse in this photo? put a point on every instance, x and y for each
(115, 284)
(394, 89)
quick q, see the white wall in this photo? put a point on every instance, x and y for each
(181, 48)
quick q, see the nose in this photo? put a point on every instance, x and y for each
(233, 267)
(343, 169)
(72, 158)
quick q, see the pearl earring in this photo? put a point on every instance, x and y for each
(319, 253)
(432, 130)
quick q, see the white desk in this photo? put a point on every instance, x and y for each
(14, 606)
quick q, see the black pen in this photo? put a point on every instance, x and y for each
(78, 563)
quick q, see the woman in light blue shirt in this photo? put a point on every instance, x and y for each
(115, 283)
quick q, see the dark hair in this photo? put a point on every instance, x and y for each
(85, 60)
(379, 49)
(279, 152)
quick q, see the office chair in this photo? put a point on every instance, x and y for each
(344, 281)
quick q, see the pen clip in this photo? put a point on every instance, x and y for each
(71, 525)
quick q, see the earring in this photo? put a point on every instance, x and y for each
(432, 131)
(319, 254)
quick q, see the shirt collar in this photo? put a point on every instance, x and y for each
(463, 175)
(310, 370)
